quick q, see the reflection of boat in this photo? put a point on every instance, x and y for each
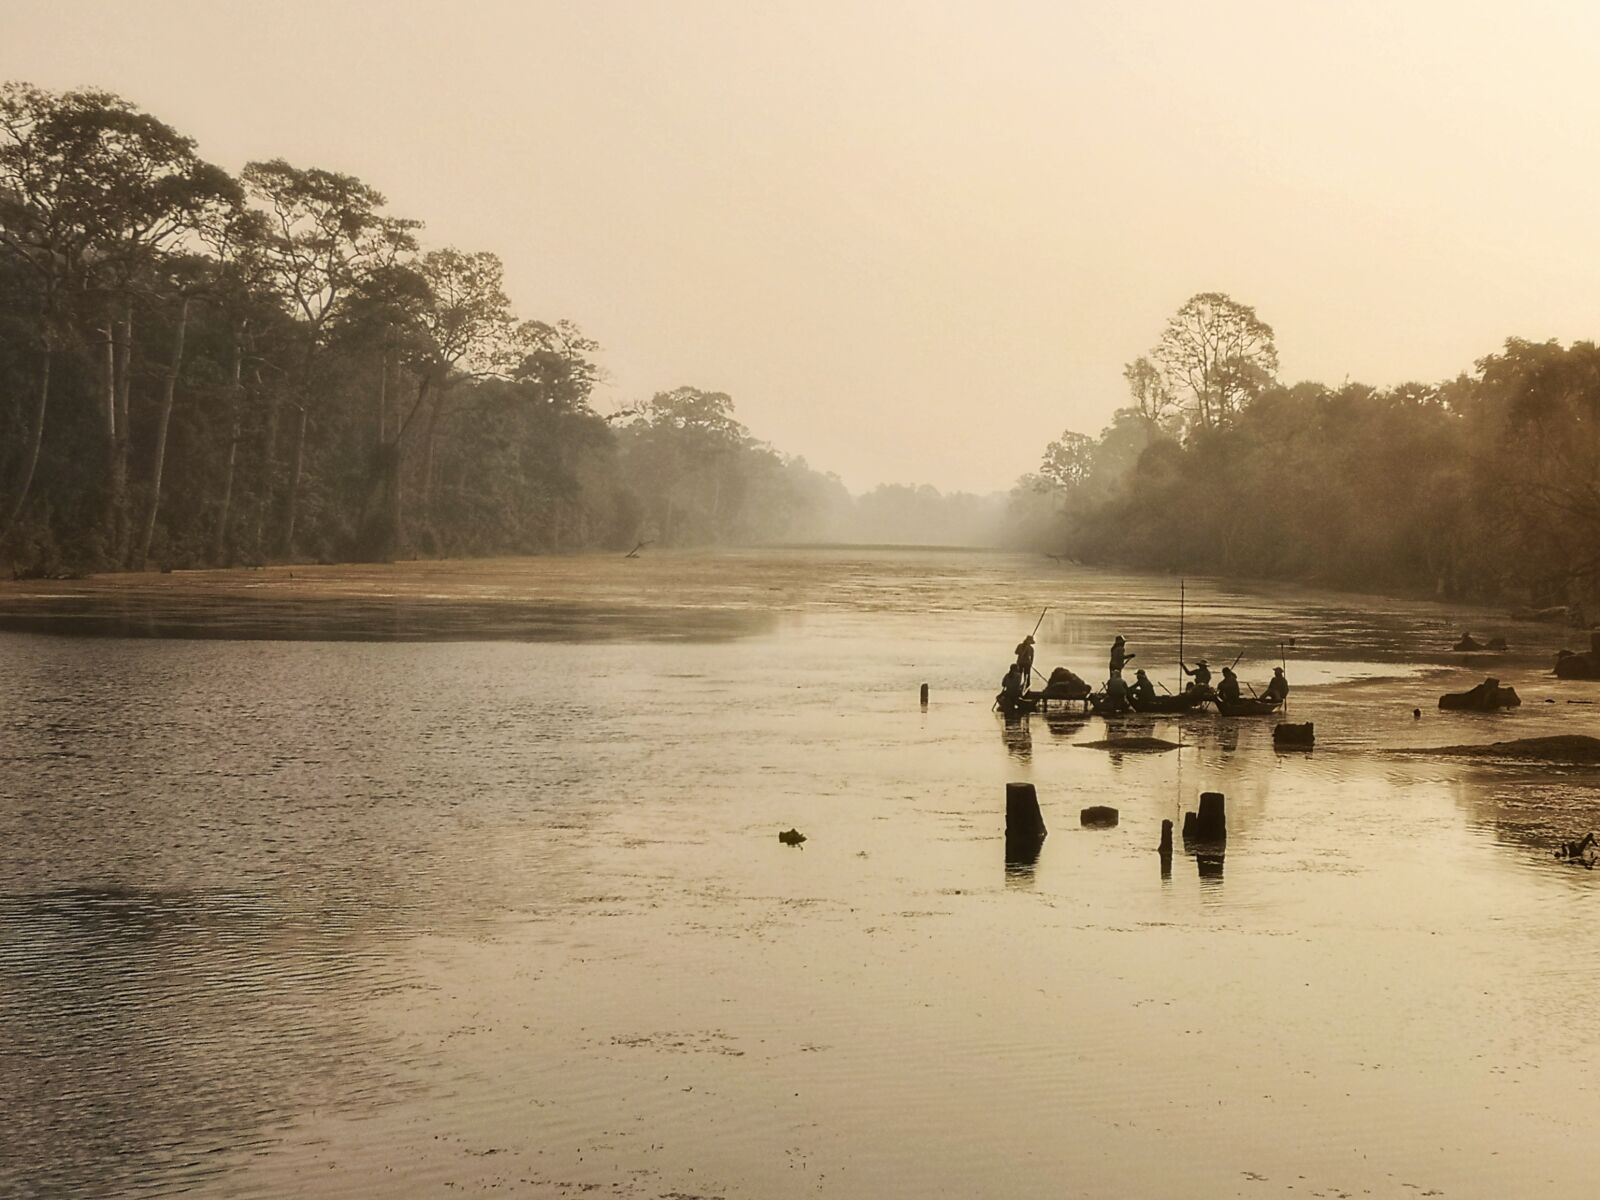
(1246, 708)
(1182, 702)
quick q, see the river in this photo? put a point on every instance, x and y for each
(458, 879)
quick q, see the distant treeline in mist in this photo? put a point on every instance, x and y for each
(1486, 486)
(198, 368)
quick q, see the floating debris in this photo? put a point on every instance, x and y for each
(791, 837)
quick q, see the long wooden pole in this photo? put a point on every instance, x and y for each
(1032, 670)
(1180, 633)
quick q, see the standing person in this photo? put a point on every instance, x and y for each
(1201, 673)
(1119, 656)
(1025, 657)
(1278, 689)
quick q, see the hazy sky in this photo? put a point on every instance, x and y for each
(916, 241)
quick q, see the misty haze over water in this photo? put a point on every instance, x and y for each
(713, 600)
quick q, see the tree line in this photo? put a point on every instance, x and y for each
(1483, 487)
(203, 368)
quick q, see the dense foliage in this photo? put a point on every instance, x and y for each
(1484, 486)
(197, 368)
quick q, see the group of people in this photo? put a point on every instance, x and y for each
(1123, 695)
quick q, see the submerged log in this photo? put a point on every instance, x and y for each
(1486, 697)
(1023, 818)
(1580, 666)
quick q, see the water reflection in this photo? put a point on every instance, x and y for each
(1022, 859)
(147, 1031)
(1017, 736)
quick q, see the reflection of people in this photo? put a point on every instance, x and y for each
(1228, 689)
(1201, 673)
(1119, 656)
(1025, 657)
(1278, 689)
(1143, 690)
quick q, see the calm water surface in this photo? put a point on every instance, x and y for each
(321, 918)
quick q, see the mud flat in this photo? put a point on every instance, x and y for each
(1562, 748)
(1137, 745)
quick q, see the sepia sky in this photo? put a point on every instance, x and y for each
(915, 241)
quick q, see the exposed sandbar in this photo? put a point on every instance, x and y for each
(1138, 745)
(1562, 748)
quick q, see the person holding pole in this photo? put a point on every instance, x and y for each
(1025, 656)
(1119, 656)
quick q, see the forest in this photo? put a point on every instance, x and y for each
(198, 368)
(1481, 487)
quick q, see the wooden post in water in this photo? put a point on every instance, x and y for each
(1023, 818)
(1211, 824)
(924, 695)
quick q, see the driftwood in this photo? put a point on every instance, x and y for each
(634, 553)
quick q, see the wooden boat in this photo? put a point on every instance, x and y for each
(1016, 706)
(1182, 702)
(1102, 706)
(1246, 707)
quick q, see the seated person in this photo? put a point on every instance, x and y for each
(1228, 689)
(1278, 689)
(1143, 691)
(1013, 685)
(1117, 694)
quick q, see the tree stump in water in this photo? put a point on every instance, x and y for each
(1023, 818)
(1211, 823)
(1294, 737)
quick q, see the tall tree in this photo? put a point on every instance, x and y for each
(326, 235)
(1215, 353)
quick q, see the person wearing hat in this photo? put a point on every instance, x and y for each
(1025, 657)
(1201, 673)
(1119, 656)
(1228, 689)
(1278, 689)
(1143, 691)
